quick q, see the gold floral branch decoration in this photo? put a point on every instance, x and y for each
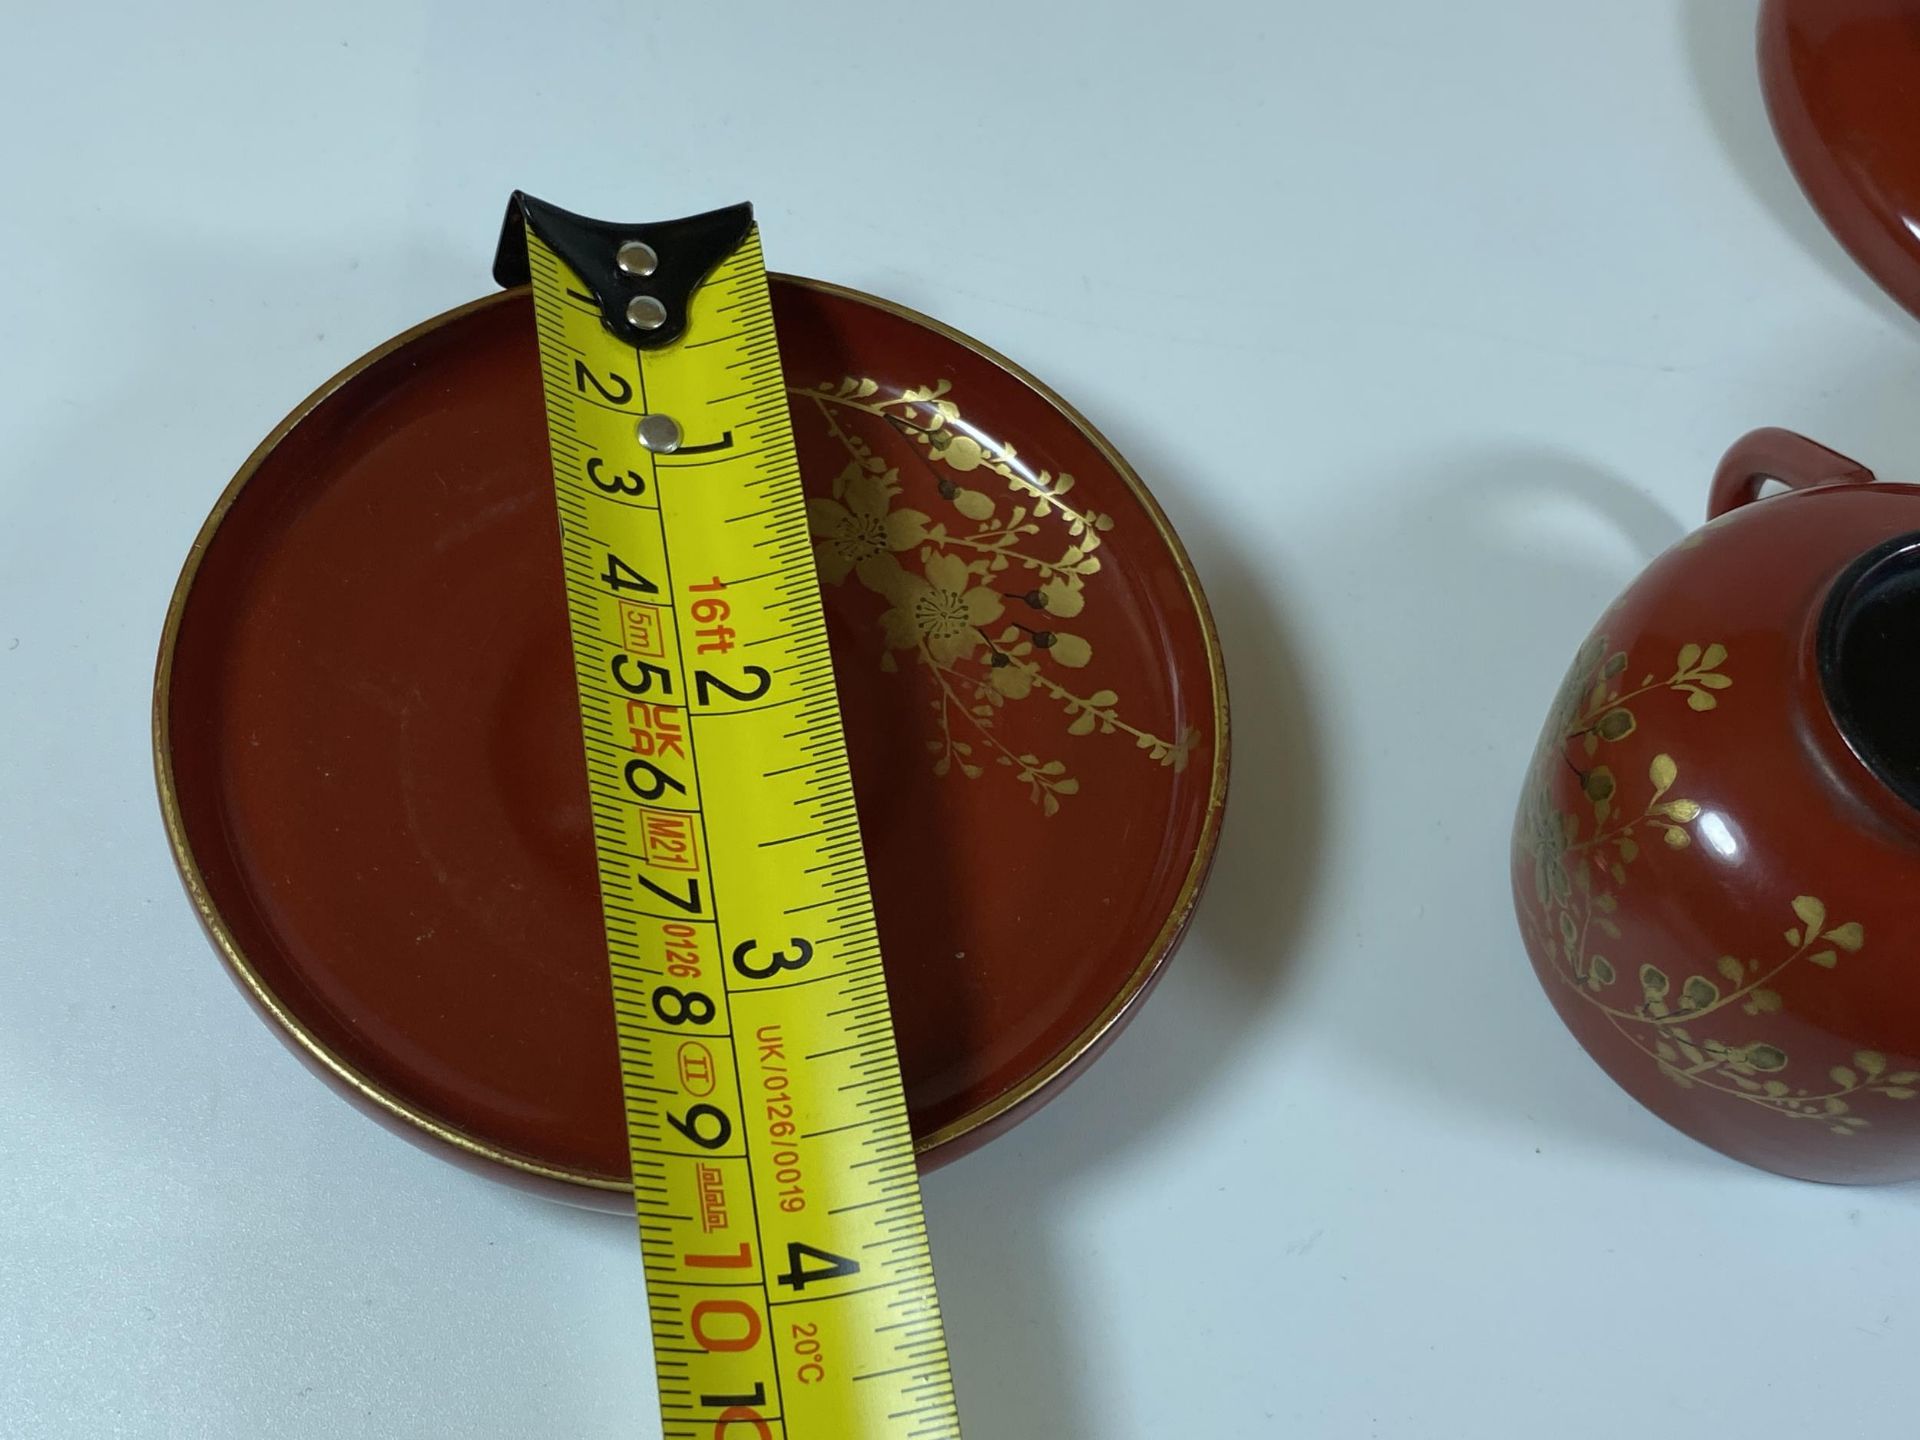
(1578, 873)
(951, 613)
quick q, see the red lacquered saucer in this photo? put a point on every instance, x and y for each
(371, 771)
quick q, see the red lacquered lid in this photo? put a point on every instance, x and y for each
(1842, 82)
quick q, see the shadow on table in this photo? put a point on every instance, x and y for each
(1023, 1360)
(1560, 538)
(1023, 1363)
(1505, 558)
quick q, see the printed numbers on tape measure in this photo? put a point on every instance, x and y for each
(682, 946)
(709, 613)
(758, 1397)
(705, 1125)
(781, 1129)
(777, 1083)
(727, 1327)
(615, 390)
(734, 1326)
(683, 1007)
(725, 442)
(689, 901)
(712, 635)
(619, 575)
(806, 1344)
(727, 1019)
(705, 682)
(656, 733)
(833, 1267)
(741, 1259)
(776, 962)
(638, 677)
(740, 1414)
(629, 483)
(657, 736)
(648, 781)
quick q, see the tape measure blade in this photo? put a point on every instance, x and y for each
(790, 1283)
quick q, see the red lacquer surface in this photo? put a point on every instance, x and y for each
(1721, 899)
(1842, 81)
(380, 791)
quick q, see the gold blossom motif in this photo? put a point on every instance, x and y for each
(942, 609)
(861, 529)
(1581, 865)
(982, 598)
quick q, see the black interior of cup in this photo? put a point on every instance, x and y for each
(1869, 659)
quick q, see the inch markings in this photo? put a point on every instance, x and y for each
(789, 1281)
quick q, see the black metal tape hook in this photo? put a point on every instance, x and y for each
(677, 256)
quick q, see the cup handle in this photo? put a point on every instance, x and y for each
(1775, 454)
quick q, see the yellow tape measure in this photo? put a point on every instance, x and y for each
(788, 1274)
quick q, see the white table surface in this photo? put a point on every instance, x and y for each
(1505, 278)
